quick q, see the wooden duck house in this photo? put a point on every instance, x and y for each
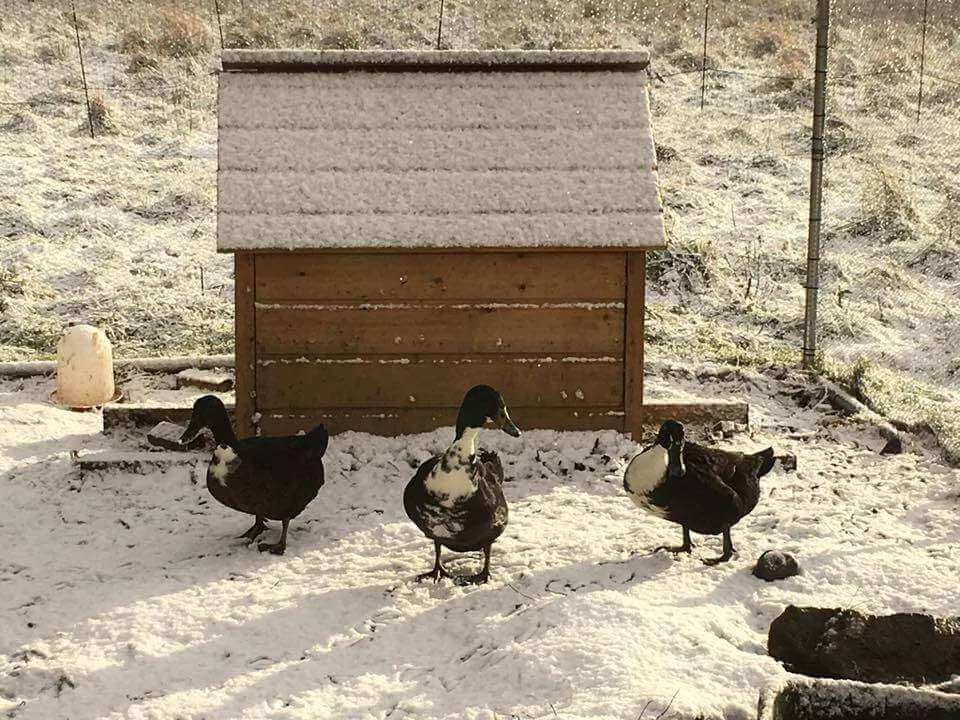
(408, 224)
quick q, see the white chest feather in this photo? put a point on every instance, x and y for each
(454, 476)
(645, 472)
(224, 459)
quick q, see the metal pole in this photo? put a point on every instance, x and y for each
(703, 60)
(216, 6)
(440, 25)
(816, 185)
(83, 72)
(923, 56)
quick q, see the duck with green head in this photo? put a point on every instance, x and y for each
(271, 478)
(706, 490)
(456, 498)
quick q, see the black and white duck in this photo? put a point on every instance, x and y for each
(705, 490)
(456, 498)
(271, 478)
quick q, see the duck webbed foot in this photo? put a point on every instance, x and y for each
(727, 551)
(438, 570)
(481, 577)
(254, 532)
(278, 547)
(686, 547)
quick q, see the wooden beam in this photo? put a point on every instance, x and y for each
(697, 412)
(402, 421)
(245, 283)
(633, 344)
(137, 415)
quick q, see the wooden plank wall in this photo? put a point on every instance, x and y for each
(389, 342)
(244, 279)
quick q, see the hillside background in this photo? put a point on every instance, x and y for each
(119, 230)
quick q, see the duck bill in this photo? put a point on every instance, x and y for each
(193, 429)
(506, 424)
(675, 466)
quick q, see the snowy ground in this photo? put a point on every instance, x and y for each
(101, 620)
(126, 595)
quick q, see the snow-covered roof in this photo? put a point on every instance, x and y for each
(435, 149)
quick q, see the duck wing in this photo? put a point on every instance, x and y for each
(490, 466)
(725, 480)
(416, 498)
(290, 451)
(277, 476)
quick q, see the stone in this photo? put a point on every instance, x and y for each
(167, 435)
(205, 379)
(776, 565)
(820, 699)
(845, 644)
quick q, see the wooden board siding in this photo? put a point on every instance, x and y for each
(398, 277)
(633, 343)
(435, 382)
(401, 421)
(372, 329)
(245, 332)
(364, 338)
(395, 421)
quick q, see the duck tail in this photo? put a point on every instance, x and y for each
(766, 460)
(319, 438)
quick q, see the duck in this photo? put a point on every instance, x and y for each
(703, 489)
(271, 478)
(456, 498)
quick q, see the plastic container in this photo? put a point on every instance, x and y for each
(84, 367)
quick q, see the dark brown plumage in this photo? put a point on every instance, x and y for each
(456, 499)
(271, 478)
(705, 490)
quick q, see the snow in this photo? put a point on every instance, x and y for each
(360, 186)
(127, 595)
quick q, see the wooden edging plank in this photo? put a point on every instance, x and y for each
(694, 412)
(633, 343)
(245, 334)
(146, 415)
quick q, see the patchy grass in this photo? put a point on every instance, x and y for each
(173, 32)
(912, 404)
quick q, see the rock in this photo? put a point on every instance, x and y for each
(800, 700)
(140, 463)
(727, 429)
(167, 435)
(776, 565)
(845, 644)
(205, 379)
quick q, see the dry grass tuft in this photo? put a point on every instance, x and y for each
(888, 210)
(175, 33)
(102, 118)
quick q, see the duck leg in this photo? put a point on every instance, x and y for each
(256, 531)
(438, 570)
(481, 577)
(686, 547)
(727, 550)
(277, 548)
